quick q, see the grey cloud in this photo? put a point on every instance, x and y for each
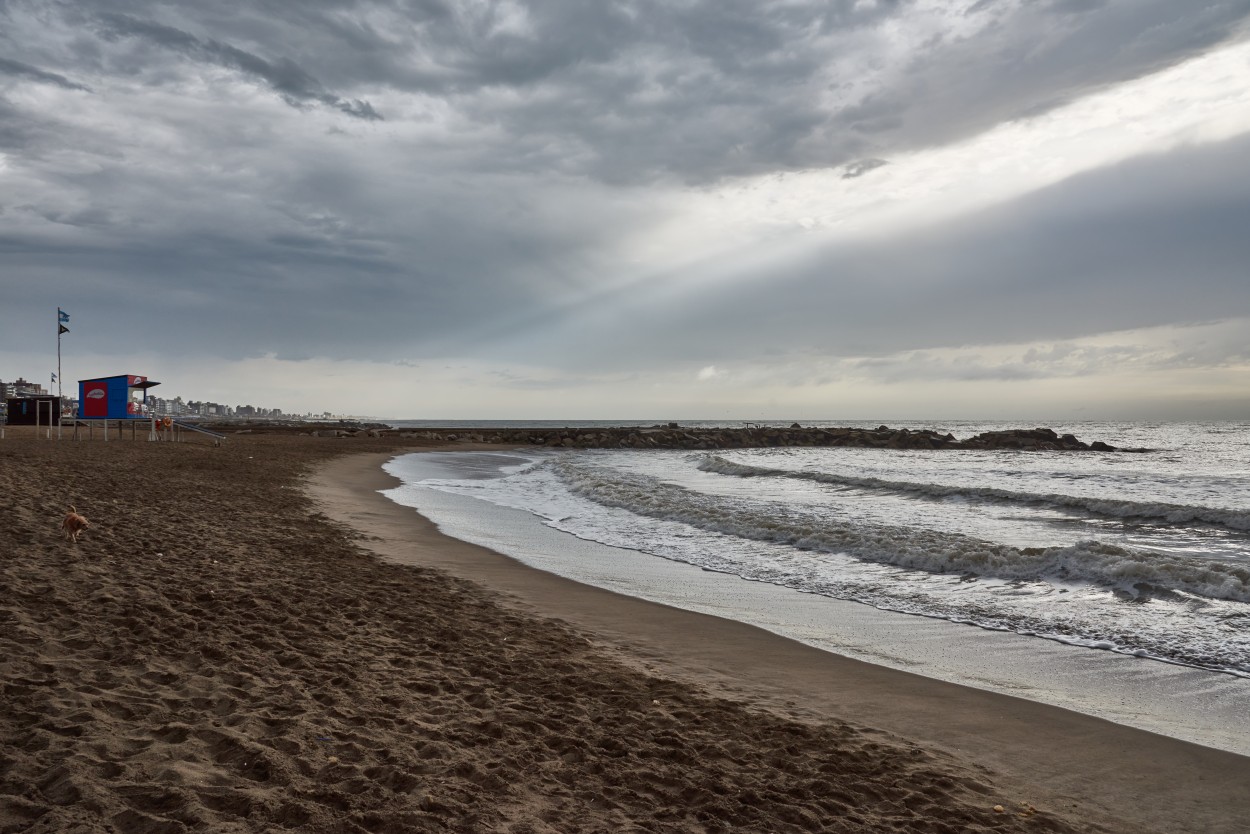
(1043, 55)
(1060, 361)
(923, 367)
(285, 76)
(94, 216)
(734, 92)
(353, 263)
(21, 70)
(860, 167)
(1074, 6)
(1226, 349)
(1151, 242)
(15, 133)
(639, 90)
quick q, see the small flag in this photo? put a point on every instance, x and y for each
(54, 376)
(63, 329)
(61, 315)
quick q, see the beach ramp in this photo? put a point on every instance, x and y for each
(217, 436)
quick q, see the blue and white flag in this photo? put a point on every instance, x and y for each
(61, 315)
(54, 376)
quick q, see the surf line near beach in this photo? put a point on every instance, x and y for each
(462, 493)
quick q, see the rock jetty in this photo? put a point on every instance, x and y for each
(674, 436)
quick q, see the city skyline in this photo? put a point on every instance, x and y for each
(175, 405)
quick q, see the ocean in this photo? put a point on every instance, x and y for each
(1139, 554)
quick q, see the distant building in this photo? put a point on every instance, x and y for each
(18, 389)
(22, 388)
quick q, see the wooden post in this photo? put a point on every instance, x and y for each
(38, 416)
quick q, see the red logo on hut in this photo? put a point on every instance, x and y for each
(138, 380)
(95, 399)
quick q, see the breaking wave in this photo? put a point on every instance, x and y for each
(1091, 562)
(1108, 508)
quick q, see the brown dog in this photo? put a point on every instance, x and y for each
(73, 524)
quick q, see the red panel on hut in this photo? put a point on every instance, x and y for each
(95, 399)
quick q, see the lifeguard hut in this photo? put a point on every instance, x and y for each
(120, 397)
(123, 400)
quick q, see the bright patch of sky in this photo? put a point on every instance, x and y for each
(1201, 101)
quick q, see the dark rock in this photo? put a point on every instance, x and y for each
(675, 437)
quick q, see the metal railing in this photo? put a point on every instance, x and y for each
(193, 427)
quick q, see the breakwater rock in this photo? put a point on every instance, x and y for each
(674, 436)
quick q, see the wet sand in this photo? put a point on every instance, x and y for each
(224, 651)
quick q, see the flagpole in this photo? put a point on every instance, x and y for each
(58, 352)
(58, 372)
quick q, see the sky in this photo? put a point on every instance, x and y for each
(634, 209)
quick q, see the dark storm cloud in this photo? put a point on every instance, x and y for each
(631, 91)
(15, 131)
(20, 70)
(220, 226)
(283, 75)
(420, 267)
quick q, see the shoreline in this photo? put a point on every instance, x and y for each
(216, 654)
(1124, 773)
(1197, 705)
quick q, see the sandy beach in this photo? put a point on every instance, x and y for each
(250, 638)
